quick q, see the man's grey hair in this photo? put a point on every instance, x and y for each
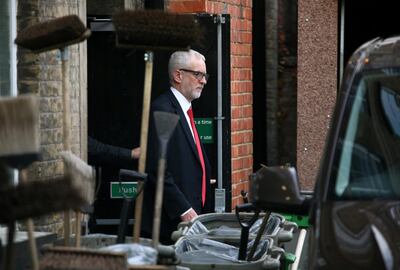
(180, 59)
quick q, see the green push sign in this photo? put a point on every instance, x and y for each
(120, 190)
(205, 128)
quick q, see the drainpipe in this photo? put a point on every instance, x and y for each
(271, 64)
(220, 191)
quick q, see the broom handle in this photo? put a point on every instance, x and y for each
(78, 216)
(67, 145)
(29, 226)
(66, 127)
(67, 227)
(10, 252)
(158, 202)
(66, 100)
(32, 245)
(143, 141)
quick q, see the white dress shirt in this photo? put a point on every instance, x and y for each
(185, 105)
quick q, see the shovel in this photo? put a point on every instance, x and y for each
(127, 176)
(258, 237)
(165, 124)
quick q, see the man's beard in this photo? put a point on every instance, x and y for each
(196, 94)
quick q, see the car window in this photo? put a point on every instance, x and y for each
(367, 155)
(391, 107)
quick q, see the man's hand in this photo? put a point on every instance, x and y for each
(135, 153)
(191, 214)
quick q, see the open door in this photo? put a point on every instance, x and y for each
(115, 97)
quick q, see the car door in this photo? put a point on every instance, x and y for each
(356, 208)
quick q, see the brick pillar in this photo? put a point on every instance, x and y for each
(40, 74)
(241, 82)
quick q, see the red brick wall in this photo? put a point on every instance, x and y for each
(241, 82)
(186, 6)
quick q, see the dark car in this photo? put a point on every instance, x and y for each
(355, 209)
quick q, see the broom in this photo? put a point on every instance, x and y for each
(84, 179)
(19, 126)
(165, 125)
(58, 33)
(152, 30)
(19, 147)
(64, 258)
(33, 199)
(37, 198)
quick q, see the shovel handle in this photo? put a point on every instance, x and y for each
(244, 236)
(246, 207)
(258, 237)
(123, 220)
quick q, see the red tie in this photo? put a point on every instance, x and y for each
(203, 167)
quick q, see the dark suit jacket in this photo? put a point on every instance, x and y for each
(182, 182)
(101, 154)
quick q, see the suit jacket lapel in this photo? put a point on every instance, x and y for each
(184, 124)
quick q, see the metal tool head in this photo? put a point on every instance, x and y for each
(165, 125)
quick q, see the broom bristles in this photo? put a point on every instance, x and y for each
(81, 173)
(156, 29)
(63, 258)
(37, 198)
(53, 34)
(19, 125)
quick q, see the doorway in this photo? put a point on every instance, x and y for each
(115, 86)
(365, 20)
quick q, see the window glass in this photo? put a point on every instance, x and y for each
(367, 156)
(391, 106)
(6, 54)
(4, 49)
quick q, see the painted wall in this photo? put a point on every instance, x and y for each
(317, 82)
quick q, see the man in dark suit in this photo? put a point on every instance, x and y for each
(107, 160)
(187, 191)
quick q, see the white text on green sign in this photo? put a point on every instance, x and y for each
(120, 190)
(205, 128)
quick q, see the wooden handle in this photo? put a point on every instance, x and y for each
(30, 228)
(143, 142)
(32, 245)
(66, 127)
(10, 251)
(78, 216)
(67, 227)
(66, 100)
(158, 202)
